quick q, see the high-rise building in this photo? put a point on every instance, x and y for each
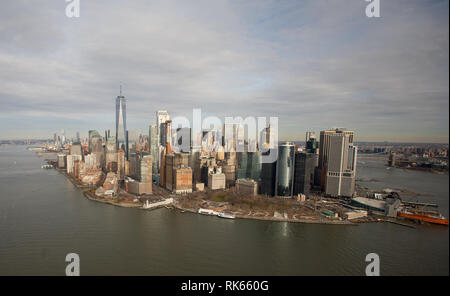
(63, 137)
(132, 140)
(182, 180)
(71, 159)
(62, 159)
(183, 139)
(285, 170)
(76, 149)
(95, 147)
(154, 147)
(311, 142)
(120, 164)
(249, 165)
(162, 117)
(173, 162)
(267, 138)
(91, 134)
(121, 121)
(111, 155)
(145, 168)
(230, 135)
(337, 162)
(90, 161)
(305, 164)
(268, 176)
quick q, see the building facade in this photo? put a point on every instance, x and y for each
(337, 161)
(121, 121)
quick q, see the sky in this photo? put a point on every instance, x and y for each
(314, 64)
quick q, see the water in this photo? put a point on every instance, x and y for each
(43, 217)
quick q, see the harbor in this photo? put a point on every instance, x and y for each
(52, 209)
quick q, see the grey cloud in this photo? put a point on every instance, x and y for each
(315, 64)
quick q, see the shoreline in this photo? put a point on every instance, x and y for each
(273, 219)
(90, 197)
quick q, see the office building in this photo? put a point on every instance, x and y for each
(337, 161)
(111, 155)
(76, 149)
(305, 164)
(62, 161)
(121, 121)
(285, 170)
(154, 147)
(182, 180)
(268, 176)
(311, 142)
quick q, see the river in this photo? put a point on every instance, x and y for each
(43, 217)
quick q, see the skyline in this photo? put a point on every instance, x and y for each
(321, 64)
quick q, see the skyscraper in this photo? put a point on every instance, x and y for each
(95, 146)
(268, 176)
(121, 121)
(305, 164)
(337, 162)
(161, 118)
(285, 170)
(154, 147)
(311, 142)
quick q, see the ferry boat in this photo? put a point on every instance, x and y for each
(426, 216)
(225, 215)
(208, 212)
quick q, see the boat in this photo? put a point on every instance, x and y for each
(225, 215)
(426, 216)
(207, 212)
(46, 166)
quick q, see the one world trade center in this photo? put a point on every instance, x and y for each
(121, 121)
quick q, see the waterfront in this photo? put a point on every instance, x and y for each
(43, 216)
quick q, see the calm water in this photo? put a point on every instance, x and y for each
(43, 217)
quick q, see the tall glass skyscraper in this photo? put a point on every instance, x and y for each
(121, 121)
(285, 170)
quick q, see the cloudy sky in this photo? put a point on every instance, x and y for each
(315, 64)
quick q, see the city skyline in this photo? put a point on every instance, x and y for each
(314, 64)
